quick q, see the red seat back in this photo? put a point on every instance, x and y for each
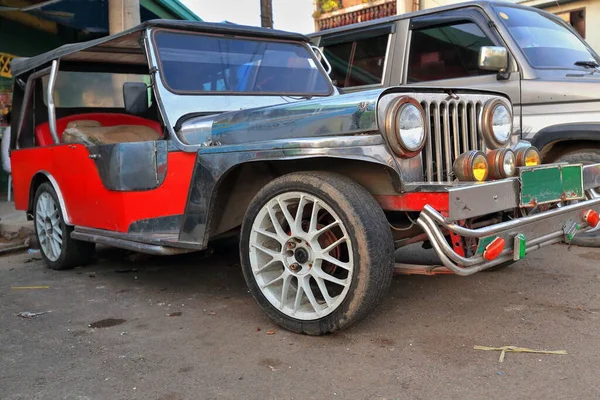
(42, 131)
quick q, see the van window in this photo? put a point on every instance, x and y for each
(446, 52)
(357, 62)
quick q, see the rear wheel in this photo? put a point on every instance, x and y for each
(54, 236)
(316, 251)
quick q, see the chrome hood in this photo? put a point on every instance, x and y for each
(345, 114)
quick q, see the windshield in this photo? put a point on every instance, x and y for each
(217, 65)
(546, 43)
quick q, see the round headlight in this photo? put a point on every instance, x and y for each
(503, 163)
(496, 123)
(405, 127)
(527, 157)
(471, 166)
(411, 127)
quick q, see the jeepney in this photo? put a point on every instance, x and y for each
(170, 135)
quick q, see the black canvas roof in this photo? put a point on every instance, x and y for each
(125, 44)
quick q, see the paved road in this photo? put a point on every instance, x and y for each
(419, 345)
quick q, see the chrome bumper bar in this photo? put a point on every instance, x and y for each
(541, 230)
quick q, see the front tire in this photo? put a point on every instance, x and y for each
(54, 236)
(317, 252)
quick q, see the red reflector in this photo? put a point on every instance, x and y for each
(591, 218)
(493, 250)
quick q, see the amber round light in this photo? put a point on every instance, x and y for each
(528, 157)
(471, 166)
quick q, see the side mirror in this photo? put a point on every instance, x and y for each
(493, 58)
(135, 98)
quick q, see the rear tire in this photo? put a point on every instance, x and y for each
(54, 236)
(340, 249)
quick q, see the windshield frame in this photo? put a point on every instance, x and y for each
(313, 57)
(496, 8)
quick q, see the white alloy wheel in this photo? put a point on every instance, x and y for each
(301, 255)
(48, 226)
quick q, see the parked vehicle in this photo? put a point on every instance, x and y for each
(170, 135)
(548, 71)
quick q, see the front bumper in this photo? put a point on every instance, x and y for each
(538, 230)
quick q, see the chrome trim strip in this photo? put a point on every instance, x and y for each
(61, 199)
(50, 100)
(129, 245)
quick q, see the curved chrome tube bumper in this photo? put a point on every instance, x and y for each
(541, 230)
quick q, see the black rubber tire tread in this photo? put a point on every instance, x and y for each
(585, 156)
(368, 228)
(74, 253)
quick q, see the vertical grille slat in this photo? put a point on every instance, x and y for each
(472, 125)
(438, 142)
(464, 132)
(455, 134)
(428, 146)
(447, 142)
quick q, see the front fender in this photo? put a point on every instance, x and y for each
(214, 163)
(566, 132)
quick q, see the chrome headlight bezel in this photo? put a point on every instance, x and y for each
(486, 123)
(393, 130)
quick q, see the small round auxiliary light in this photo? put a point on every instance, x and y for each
(527, 157)
(471, 166)
(591, 218)
(494, 249)
(502, 162)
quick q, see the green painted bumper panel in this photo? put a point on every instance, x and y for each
(548, 184)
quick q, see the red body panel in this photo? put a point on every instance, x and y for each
(42, 131)
(87, 201)
(414, 201)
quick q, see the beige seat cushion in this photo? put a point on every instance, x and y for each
(83, 123)
(94, 135)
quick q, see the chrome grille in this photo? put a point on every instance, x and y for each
(452, 131)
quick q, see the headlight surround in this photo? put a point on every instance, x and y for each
(496, 123)
(528, 157)
(502, 162)
(406, 128)
(471, 166)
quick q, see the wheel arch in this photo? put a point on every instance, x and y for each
(556, 140)
(42, 177)
(236, 188)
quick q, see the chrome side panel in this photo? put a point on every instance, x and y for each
(213, 164)
(333, 116)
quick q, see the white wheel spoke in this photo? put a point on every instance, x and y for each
(286, 214)
(285, 289)
(324, 275)
(299, 212)
(272, 281)
(334, 245)
(324, 292)
(269, 264)
(268, 252)
(314, 215)
(335, 261)
(275, 222)
(310, 295)
(57, 237)
(298, 298)
(328, 227)
(271, 235)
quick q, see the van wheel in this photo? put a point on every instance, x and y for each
(317, 252)
(54, 236)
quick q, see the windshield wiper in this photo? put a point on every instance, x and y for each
(587, 64)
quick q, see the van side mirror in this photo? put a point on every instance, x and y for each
(493, 58)
(135, 98)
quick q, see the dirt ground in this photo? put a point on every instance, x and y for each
(186, 328)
